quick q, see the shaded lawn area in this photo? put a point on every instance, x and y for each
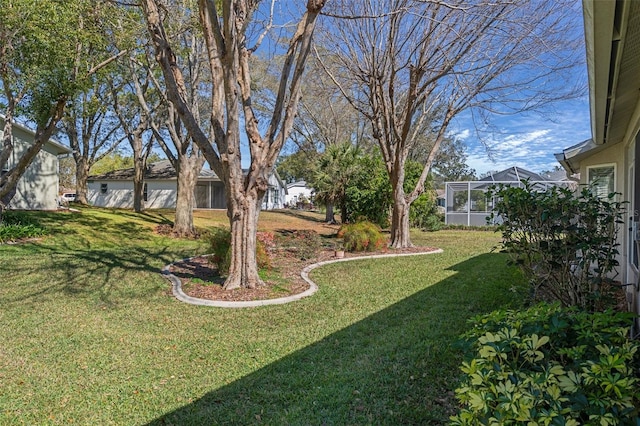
(91, 336)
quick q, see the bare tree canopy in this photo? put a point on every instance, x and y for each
(225, 27)
(411, 66)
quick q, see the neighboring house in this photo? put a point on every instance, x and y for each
(115, 189)
(466, 203)
(611, 159)
(297, 191)
(512, 174)
(38, 187)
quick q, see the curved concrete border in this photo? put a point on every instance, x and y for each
(176, 284)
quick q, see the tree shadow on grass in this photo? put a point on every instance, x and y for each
(394, 367)
(108, 274)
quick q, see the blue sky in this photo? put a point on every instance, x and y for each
(526, 140)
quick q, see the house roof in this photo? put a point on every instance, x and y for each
(162, 169)
(159, 170)
(612, 36)
(512, 174)
(570, 157)
(557, 176)
(298, 184)
(612, 39)
(55, 146)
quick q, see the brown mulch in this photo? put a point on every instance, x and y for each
(200, 278)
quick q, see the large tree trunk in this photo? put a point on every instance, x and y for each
(400, 237)
(243, 215)
(139, 164)
(329, 216)
(82, 175)
(344, 215)
(188, 170)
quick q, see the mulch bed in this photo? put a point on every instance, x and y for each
(201, 279)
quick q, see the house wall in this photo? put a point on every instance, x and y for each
(295, 192)
(37, 189)
(161, 194)
(627, 171)
(275, 196)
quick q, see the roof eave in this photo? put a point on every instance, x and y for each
(602, 40)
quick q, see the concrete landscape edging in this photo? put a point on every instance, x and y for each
(176, 284)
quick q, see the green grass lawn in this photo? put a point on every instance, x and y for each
(90, 334)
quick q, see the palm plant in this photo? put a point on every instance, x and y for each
(336, 167)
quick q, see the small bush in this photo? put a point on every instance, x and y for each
(304, 243)
(266, 242)
(422, 211)
(432, 223)
(550, 366)
(362, 236)
(564, 241)
(18, 226)
(219, 241)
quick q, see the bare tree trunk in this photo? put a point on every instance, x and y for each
(139, 164)
(243, 216)
(187, 169)
(344, 215)
(329, 216)
(82, 175)
(400, 236)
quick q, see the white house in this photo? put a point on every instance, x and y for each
(38, 187)
(115, 189)
(611, 159)
(296, 191)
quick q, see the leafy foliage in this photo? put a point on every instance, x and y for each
(335, 170)
(369, 193)
(17, 226)
(117, 161)
(564, 241)
(218, 240)
(450, 163)
(297, 166)
(362, 236)
(423, 208)
(550, 365)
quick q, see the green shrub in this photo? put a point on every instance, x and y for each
(564, 241)
(18, 226)
(550, 366)
(422, 211)
(219, 241)
(362, 236)
(432, 223)
(305, 244)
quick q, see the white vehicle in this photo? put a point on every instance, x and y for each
(67, 197)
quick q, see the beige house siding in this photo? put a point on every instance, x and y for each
(38, 188)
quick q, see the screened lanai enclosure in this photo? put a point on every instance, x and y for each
(469, 203)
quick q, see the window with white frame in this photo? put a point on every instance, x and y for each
(602, 178)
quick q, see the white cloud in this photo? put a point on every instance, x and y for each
(526, 141)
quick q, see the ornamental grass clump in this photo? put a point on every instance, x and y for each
(362, 236)
(563, 240)
(549, 365)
